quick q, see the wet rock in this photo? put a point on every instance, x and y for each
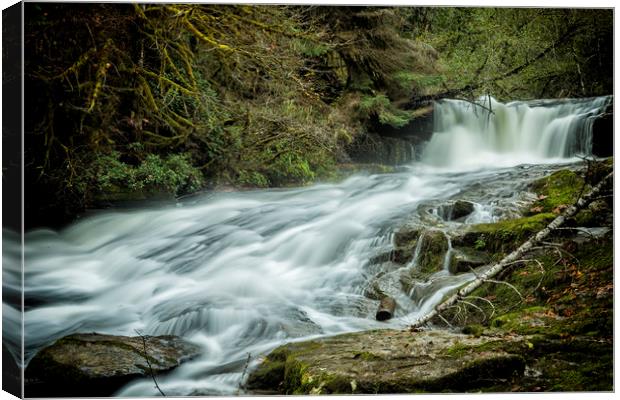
(387, 361)
(98, 365)
(455, 211)
(467, 259)
(432, 251)
(407, 236)
(373, 148)
(502, 236)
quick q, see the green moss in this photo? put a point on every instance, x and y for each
(503, 236)
(475, 330)
(560, 188)
(432, 251)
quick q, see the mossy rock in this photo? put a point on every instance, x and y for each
(455, 211)
(503, 236)
(465, 259)
(384, 361)
(407, 236)
(560, 189)
(98, 365)
(432, 251)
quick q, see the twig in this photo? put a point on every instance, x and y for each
(507, 284)
(148, 362)
(476, 307)
(487, 300)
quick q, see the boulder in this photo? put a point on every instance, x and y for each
(387, 361)
(467, 259)
(455, 211)
(407, 236)
(503, 236)
(432, 251)
(373, 148)
(81, 365)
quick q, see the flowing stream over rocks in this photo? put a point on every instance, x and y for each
(243, 272)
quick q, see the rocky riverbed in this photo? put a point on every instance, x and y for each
(545, 324)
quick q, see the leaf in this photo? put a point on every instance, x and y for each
(560, 208)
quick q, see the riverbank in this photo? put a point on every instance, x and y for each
(546, 324)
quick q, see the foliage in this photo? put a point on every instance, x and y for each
(173, 174)
(523, 53)
(269, 95)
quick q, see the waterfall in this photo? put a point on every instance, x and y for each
(244, 272)
(492, 133)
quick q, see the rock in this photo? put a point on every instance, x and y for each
(562, 188)
(455, 211)
(433, 247)
(373, 148)
(432, 251)
(467, 259)
(388, 361)
(407, 236)
(502, 236)
(92, 364)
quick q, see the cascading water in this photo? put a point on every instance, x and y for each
(491, 133)
(241, 273)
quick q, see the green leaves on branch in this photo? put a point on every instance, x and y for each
(379, 106)
(172, 174)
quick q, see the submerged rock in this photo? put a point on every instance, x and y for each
(455, 211)
(385, 361)
(98, 365)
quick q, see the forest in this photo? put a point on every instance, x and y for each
(145, 100)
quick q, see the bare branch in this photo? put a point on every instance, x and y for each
(148, 362)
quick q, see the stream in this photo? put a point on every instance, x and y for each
(240, 273)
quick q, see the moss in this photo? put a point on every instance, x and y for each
(432, 251)
(475, 330)
(527, 321)
(407, 236)
(503, 236)
(598, 170)
(560, 188)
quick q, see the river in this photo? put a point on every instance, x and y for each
(239, 273)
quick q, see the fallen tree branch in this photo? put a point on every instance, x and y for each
(148, 362)
(515, 255)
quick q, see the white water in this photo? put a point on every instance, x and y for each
(496, 134)
(241, 273)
